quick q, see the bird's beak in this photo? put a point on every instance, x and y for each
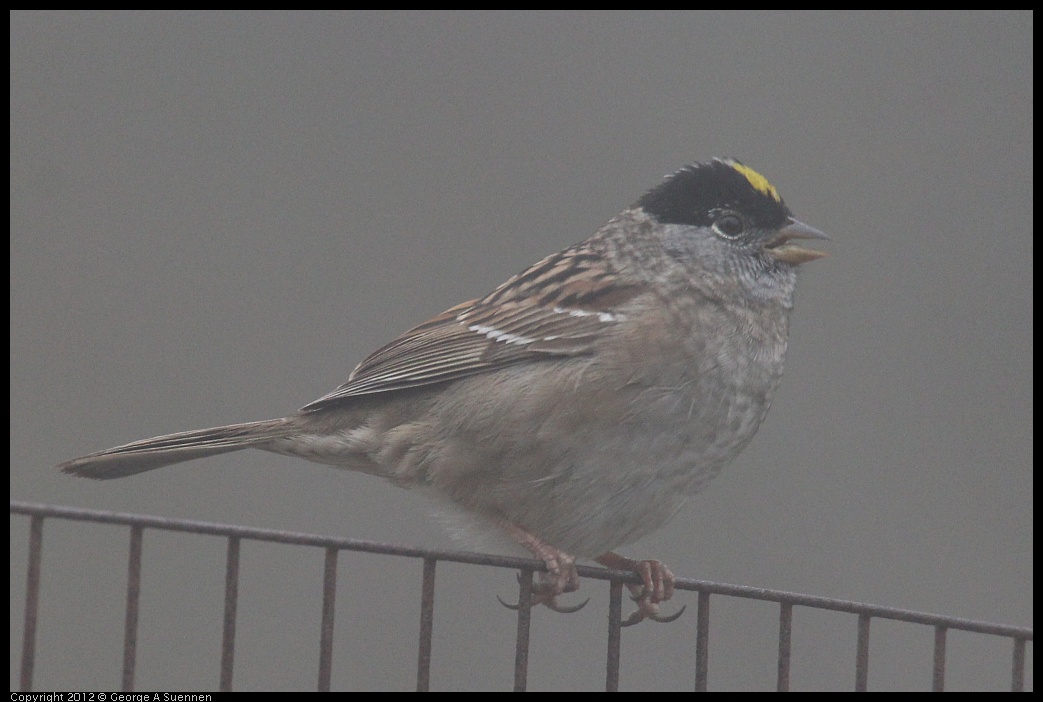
(780, 248)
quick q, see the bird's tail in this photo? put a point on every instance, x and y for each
(149, 454)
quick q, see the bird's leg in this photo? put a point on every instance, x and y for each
(561, 575)
(657, 586)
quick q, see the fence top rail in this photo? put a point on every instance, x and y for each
(467, 557)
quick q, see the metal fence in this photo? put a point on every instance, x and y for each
(235, 534)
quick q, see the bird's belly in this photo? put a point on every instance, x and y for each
(602, 486)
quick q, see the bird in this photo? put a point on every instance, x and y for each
(580, 404)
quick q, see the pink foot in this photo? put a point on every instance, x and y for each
(657, 586)
(561, 575)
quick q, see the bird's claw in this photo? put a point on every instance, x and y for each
(657, 585)
(547, 590)
(560, 609)
(549, 602)
(515, 606)
(641, 614)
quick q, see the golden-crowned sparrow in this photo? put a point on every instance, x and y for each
(578, 405)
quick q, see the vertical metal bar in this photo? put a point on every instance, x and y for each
(615, 627)
(32, 602)
(702, 641)
(329, 598)
(130, 621)
(521, 646)
(231, 604)
(1017, 677)
(862, 654)
(427, 626)
(938, 671)
(785, 639)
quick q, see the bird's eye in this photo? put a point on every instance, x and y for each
(729, 225)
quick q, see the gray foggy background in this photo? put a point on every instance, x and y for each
(214, 217)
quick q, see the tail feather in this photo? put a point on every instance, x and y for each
(149, 454)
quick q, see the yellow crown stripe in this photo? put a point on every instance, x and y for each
(759, 182)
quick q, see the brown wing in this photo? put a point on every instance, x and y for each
(557, 308)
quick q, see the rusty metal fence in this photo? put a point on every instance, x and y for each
(37, 513)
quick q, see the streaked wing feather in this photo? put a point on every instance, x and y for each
(453, 346)
(558, 307)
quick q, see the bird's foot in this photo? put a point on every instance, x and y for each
(561, 575)
(657, 585)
